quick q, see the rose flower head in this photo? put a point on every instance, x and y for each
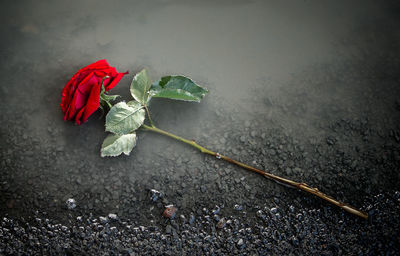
(81, 95)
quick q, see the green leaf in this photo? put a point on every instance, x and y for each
(123, 118)
(177, 88)
(140, 87)
(115, 145)
(134, 104)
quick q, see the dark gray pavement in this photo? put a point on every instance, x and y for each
(308, 90)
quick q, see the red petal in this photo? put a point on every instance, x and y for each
(67, 96)
(78, 116)
(83, 91)
(93, 102)
(79, 98)
(71, 110)
(116, 80)
(101, 64)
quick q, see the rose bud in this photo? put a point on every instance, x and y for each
(81, 95)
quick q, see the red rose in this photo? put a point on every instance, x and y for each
(81, 95)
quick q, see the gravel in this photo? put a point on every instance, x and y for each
(311, 234)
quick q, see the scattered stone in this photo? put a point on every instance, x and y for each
(241, 243)
(192, 219)
(112, 216)
(238, 207)
(103, 220)
(216, 210)
(155, 195)
(260, 214)
(274, 210)
(70, 203)
(221, 223)
(170, 211)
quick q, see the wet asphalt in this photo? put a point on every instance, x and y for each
(305, 90)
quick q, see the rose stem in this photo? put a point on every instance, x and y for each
(301, 186)
(148, 114)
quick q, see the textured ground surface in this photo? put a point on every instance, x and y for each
(314, 98)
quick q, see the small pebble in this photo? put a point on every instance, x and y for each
(238, 207)
(170, 212)
(221, 223)
(70, 203)
(112, 216)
